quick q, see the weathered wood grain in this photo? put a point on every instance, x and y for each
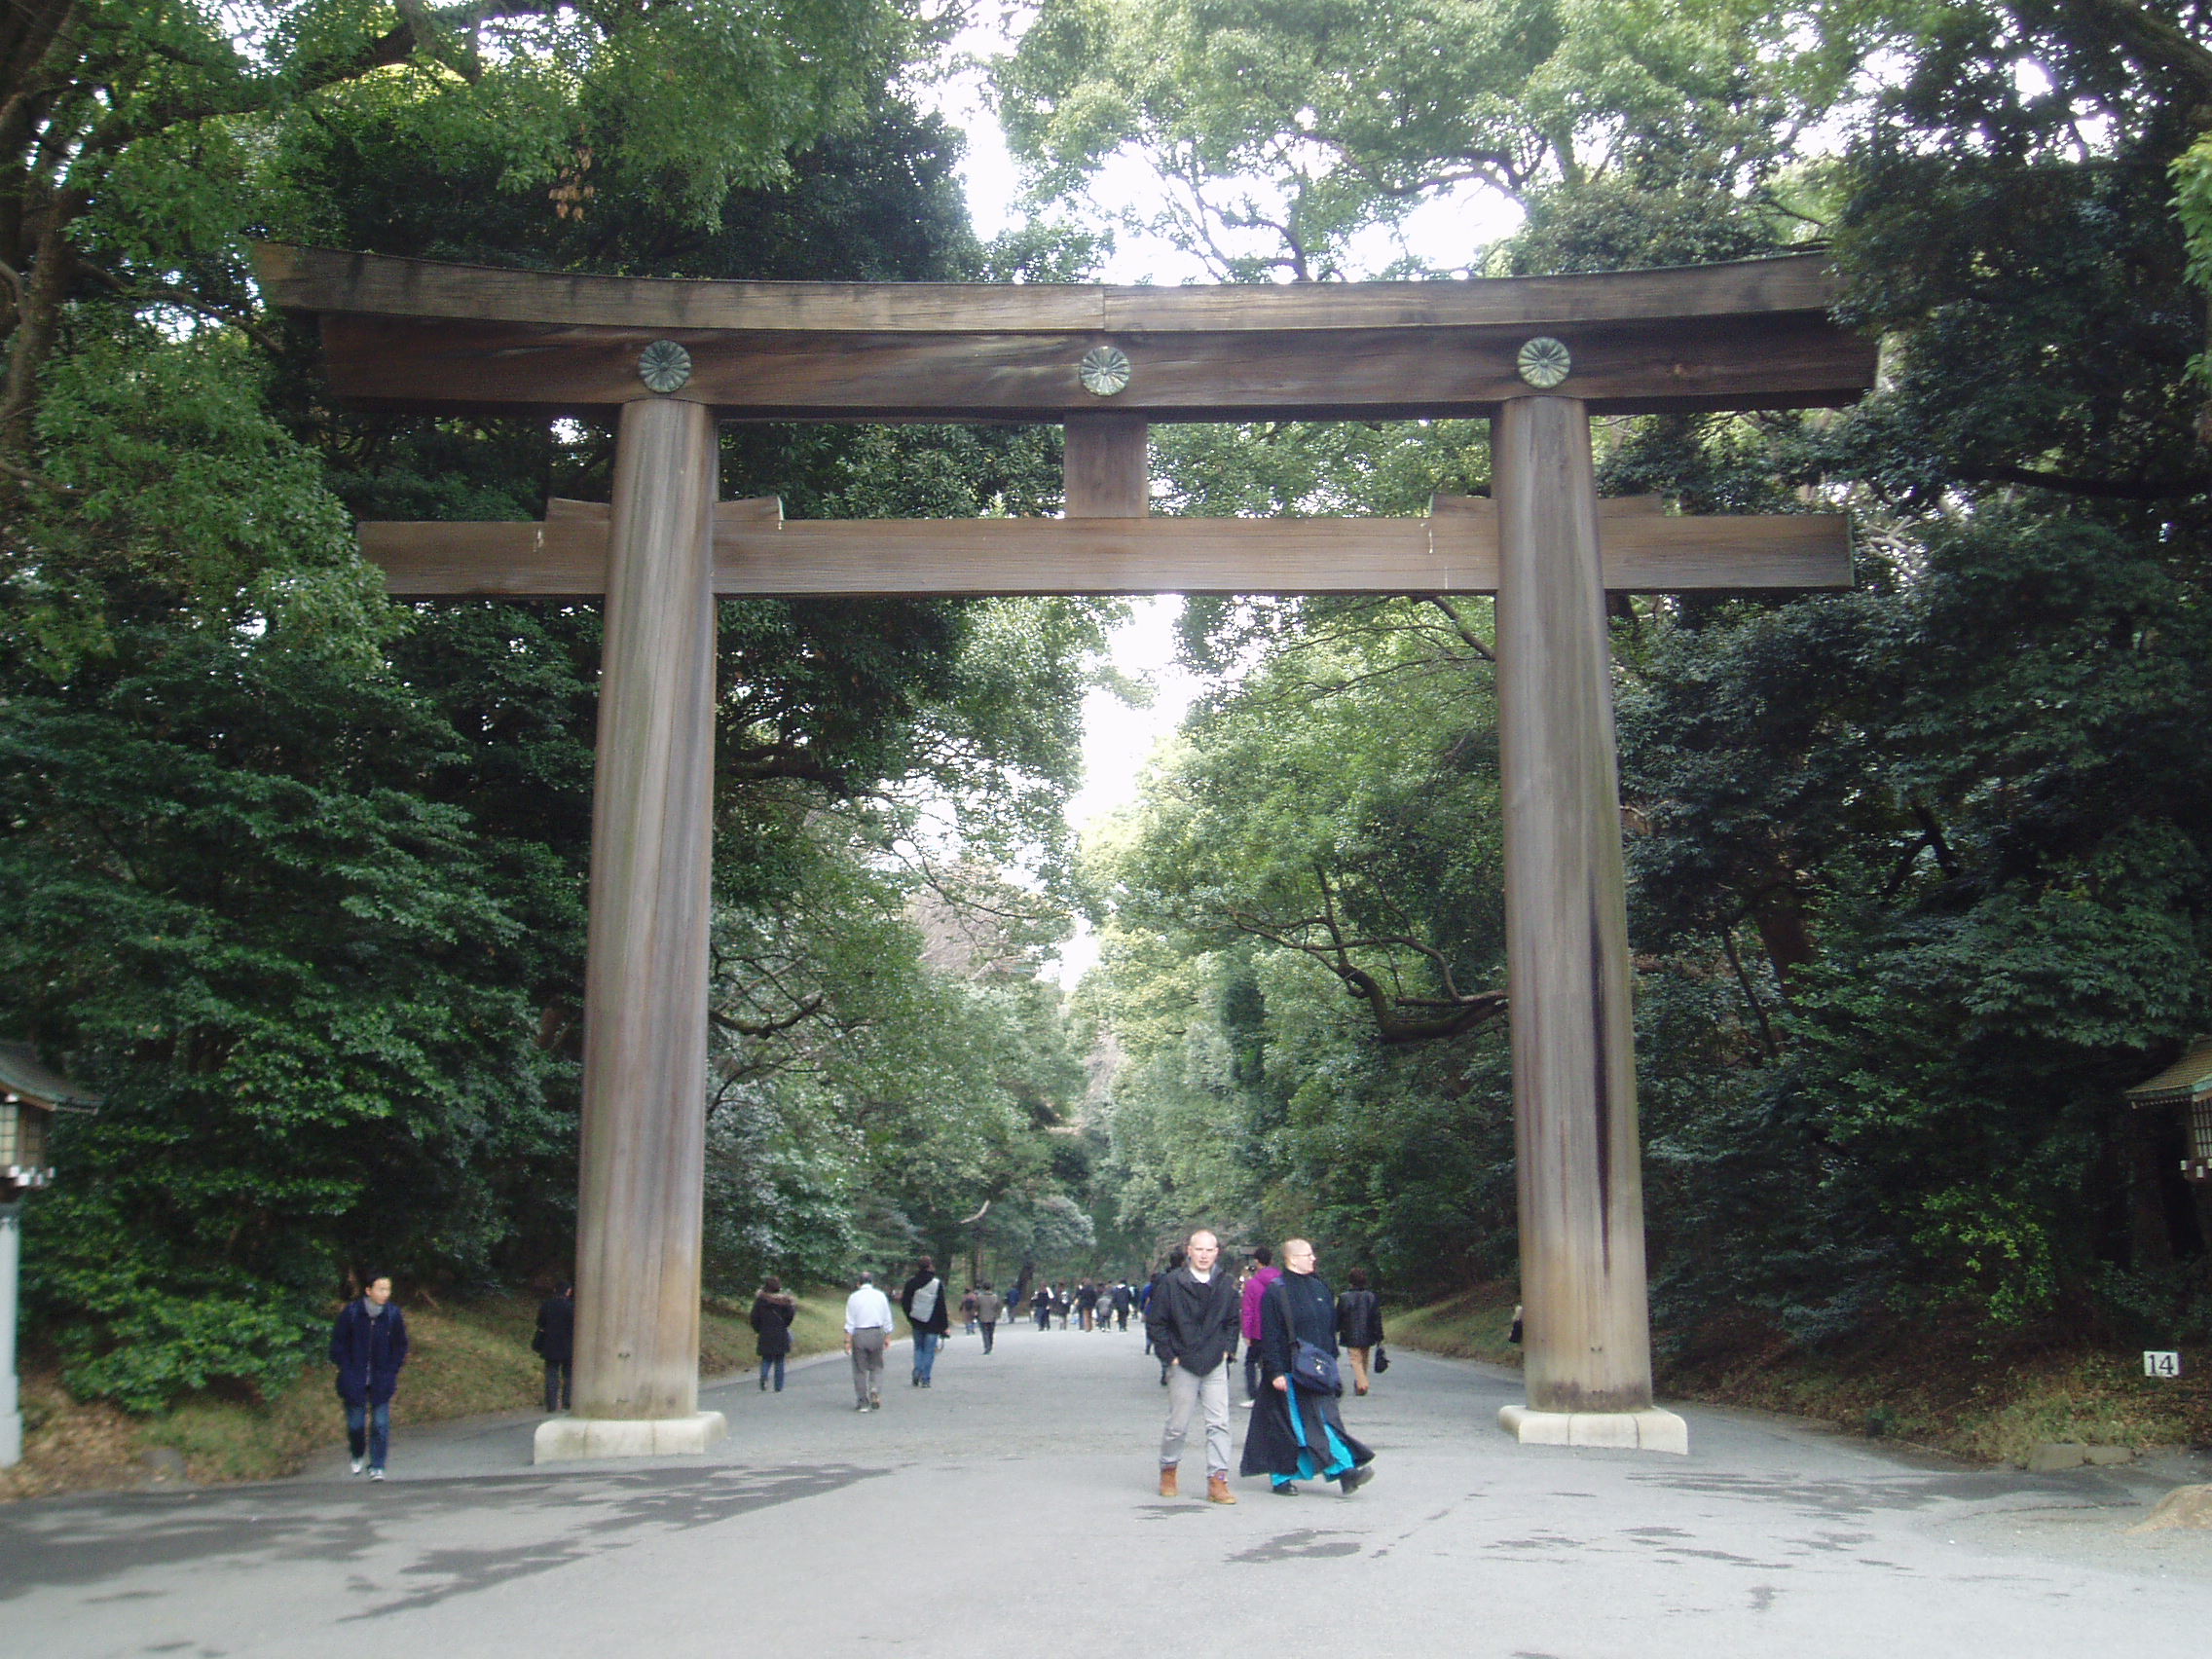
(643, 1137)
(1645, 551)
(1107, 466)
(1578, 1157)
(564, 557)
(1761, 360)
(324, 280)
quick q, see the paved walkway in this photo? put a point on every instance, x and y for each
(1009, 1512)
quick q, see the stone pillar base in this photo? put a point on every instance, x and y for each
(11, 1439)
(565, 1439)
(1648, 1430)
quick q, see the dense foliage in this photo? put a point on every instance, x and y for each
(293, 875)
(1920, 872)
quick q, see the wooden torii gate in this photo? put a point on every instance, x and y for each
(1538, 356)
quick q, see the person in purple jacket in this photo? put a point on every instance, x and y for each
(1255, 1287)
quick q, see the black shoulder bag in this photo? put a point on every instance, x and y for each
(1311, 1366)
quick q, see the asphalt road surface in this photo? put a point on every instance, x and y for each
(1010, 1511)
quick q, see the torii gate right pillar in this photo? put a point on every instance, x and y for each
(1587, 1326)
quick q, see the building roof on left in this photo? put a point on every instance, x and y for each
(23, 1074)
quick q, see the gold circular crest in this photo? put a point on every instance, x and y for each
(664, 366)
(1543, 362)
(1105, 370)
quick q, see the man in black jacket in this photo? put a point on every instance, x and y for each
(555, 1342)
(924, 1301)
(369, 1344)
(1193, 1323)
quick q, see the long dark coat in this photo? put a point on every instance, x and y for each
(554, 1340)
(771, 1322)
(368, 1352)
(1272, 1443)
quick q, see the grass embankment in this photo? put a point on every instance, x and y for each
(1951, 1389)
(466, 1359)
(1470, 1326)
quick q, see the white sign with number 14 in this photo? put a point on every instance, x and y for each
(2161, 1362)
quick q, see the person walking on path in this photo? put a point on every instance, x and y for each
(990, 1309)
(968, 1309)
(1359, 1326)
(1255, 1287)
(369, 1344)
(771, 1319)
(868, 1328)
(1120, 1303)
(1297, 1432)
(1193, 1323)
(923, 1300)
(555, 1342)
(1087, 1304)
(1041, 1306)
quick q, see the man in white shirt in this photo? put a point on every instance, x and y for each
(868, 1328)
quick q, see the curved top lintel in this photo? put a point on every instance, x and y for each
(326, 281)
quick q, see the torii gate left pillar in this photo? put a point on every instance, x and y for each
(643, 1148)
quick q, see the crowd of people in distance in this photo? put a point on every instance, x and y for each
(1087, 1305)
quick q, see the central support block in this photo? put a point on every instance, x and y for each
(1648, 1430)
(568, 1438)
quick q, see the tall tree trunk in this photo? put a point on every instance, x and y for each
(46, 286)
(2150, 1239)
(1778, 912)
(28, 29)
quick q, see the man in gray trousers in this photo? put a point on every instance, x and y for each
(868, 1328)
(1192, 1321)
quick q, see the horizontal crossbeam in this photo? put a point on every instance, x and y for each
(1790, 361)
(411, 335)
(325, 281)
(1454, 550)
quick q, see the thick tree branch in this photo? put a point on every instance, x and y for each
(807, 1007)
(1467, 634)
(1398, 1019)
(2102, 489)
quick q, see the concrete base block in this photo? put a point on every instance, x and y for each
(565, 1439)
(1648, 1430)
(2183, 1506)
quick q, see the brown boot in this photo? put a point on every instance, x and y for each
(1167, 1482)
(1217, 1490)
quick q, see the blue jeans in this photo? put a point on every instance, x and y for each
(368, 1430)
(777, 1366)
(925, 1353)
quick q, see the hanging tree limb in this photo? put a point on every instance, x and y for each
(1398, 1018)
